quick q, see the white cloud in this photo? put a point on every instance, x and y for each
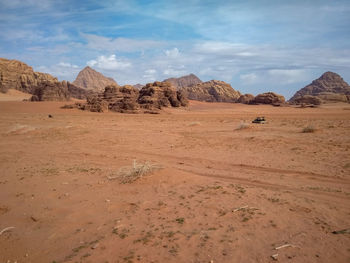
(250, 78)
(67, 65)
(119, 44)
(289, 75)
(109, 63)
(172, 53)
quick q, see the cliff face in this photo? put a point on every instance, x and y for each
(329, 87)
(17, 75)
(212, 91)
(90, 79)
(185, 81)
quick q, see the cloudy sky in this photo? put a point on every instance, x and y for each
(255, 45)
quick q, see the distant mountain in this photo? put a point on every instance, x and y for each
(90, 79)
(17, 75)
(212, 91)
(138, 86)
(185, 81)
(329, 87)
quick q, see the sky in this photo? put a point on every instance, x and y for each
(255, 45)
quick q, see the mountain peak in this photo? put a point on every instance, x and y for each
(184, 81)
(88, 78)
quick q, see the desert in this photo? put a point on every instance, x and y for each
(223, 189)
(167, 131)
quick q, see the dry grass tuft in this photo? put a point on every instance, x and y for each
(129, 174)
(308, 129)
(243, 126)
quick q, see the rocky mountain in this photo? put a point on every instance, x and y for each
(212, 91)
(90, 79)
(17, 75)
(329, 87)
(185, 81)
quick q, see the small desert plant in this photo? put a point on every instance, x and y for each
(242, 126)
(308, 129)
(129, 174)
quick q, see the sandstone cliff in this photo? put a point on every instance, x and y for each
(212, 91)
(17, 75)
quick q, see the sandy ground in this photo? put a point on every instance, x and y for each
(228, 190)
(14, 95)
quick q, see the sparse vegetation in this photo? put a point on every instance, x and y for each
(129, 174)
(242, 126)
(308, 129)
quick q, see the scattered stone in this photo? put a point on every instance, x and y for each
(275, 257)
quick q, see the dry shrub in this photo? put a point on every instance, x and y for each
(242, 126)
(129, 174)
(308, 129)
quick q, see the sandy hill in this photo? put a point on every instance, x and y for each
(329, 87)
(212, 91)
(185, 81)
(90, 79)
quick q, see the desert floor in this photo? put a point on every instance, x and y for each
(226, 190)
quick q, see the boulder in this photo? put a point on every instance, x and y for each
(161, 94)
(212, 91)
(246, 98)
(268, 98)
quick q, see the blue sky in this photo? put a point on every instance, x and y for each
(256, 46)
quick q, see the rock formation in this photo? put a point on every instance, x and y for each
(212, 91)
(161, 94)
(185, 81)
(330, 87)
(90, 79)
(268, 98)
(127, 99)
(307, 100)
(18, 75)
(246, 98)
(114, 98)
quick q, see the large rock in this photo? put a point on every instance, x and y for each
(114, 98)
(307, 100)
(18, 75)
(246, 98)
(212, 91)
(90, 79)
(161, 94)
(268, 98)
(330, 87)
(185, 81)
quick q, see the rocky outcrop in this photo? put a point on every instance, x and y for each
(90, 79)
(246, 98)
(185, 81)
(268, 98)
(161, 94)
(330, 87)
(307, 100)
(114, 98)
(127, 99)
(18, 75)
(212, 91)
(138, 86)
